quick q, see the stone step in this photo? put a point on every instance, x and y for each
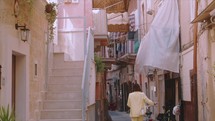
(63, 99)
(74, 96)
(68, 64)
(63, 87)
(65, 80)
(62, 104)
(61, 114)
(60, 56)
(67, 72)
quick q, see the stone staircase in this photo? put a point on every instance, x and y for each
(63, 99)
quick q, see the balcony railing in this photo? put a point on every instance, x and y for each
(88, 60)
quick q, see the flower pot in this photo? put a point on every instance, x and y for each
(48, 8)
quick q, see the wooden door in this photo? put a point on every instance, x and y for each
(190, 108)
(13, 81)
(170, 93)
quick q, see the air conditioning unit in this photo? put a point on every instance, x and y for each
(75, 1)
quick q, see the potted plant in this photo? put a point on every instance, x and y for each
(51, 14)
(99, 64)
(100, 68)
(6, 114)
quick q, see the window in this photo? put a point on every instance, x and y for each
(35, 69)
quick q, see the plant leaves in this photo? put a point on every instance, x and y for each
(6, 114)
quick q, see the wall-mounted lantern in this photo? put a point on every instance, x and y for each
(24, 32)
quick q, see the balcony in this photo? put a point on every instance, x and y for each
(120, 51)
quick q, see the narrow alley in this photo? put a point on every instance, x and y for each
(107, 60)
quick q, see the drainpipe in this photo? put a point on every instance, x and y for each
(139, 28)
(47, 58)
(194, 81)
(139, 19)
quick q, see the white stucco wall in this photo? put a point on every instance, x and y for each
(208, 60)
(186, 66)
(186, 26)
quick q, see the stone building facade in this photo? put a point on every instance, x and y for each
(24, 63)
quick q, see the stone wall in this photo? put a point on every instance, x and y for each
(38, 55)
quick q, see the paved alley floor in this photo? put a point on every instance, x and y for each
(119, 116)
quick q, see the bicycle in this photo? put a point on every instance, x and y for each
(148, 115)
(167, 116)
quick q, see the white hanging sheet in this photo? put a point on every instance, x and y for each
(160, 46)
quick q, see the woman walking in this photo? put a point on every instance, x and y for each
(137, 101)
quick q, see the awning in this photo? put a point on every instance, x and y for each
(112, 6)
(118, 28)
(205, 14)
(120, 33)
(116, 13)
(117, 18)
(118, 22)
(160, 46)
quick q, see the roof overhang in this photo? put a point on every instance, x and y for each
(205, 14)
